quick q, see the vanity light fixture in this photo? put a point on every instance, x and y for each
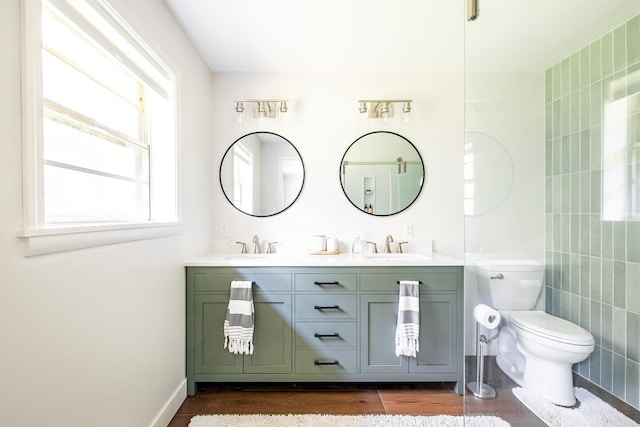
(264, 108)
(383, 108)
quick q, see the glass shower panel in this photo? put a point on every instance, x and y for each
(552, 131)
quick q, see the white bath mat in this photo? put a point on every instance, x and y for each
(592, 411)
(344, 421)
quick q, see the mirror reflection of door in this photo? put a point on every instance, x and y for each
(290, 174)
(261, 174)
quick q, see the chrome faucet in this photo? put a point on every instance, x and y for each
(256, 244)
(387, 244)
(270, 247)
(244, 247)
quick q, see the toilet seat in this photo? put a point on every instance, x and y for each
(552, 328)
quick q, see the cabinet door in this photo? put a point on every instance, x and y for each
(210, 356)
(271, 336)
(438, 342)
(378, 330)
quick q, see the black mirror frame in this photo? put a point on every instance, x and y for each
(424, 174)
(304, 172)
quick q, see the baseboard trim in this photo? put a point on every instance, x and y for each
(170, 408)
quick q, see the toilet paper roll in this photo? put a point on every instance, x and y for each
(486, 316)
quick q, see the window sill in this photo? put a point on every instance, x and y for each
(40, 241)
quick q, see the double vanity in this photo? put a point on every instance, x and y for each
(321, 318)
(329, 317)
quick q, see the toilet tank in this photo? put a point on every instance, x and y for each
(511, 284)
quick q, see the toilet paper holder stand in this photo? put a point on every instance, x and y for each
(478, 388)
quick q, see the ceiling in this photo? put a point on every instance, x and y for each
(392, 36)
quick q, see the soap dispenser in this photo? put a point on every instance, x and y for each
(356, 247)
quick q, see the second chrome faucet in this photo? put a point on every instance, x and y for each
(387, 245)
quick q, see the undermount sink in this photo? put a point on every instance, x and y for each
(397, 256)
(251, 256)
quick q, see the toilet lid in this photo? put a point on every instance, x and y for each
(548, 326)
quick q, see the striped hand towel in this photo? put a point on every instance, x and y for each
(408, 326)
(238, 325)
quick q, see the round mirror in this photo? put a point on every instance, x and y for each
(382, 173)
(488, 174)
(262, 174)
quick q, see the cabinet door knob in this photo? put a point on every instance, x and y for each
(327, 307)
(326, 362)
(334, 335)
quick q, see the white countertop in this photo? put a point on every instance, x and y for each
(308, 260)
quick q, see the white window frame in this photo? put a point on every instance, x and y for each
(40, 238)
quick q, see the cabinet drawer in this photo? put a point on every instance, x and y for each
(326, 334)
(323, 307)
(220, 282)
(444, 281)
(326, 361)
(330, 282)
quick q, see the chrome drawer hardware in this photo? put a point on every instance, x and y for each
(500, 276)
(334, 335)
(327, 307)
(327, 362)
(336, 283)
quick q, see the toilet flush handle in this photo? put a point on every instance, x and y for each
(499, 276)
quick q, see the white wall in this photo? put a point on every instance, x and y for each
(508, 107)
(323, 120)
(95, 337)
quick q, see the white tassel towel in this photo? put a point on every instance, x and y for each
(238, 325)
(408, 326)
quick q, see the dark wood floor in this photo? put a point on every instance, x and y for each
(357, 399)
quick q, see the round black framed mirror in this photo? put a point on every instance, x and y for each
(382, 173)
(262, 174)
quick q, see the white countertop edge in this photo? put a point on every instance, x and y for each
(307, 260)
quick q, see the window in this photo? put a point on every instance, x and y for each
(243, 178)
(621, 150)
(100, 145)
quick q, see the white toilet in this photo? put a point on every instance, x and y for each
(535, 349)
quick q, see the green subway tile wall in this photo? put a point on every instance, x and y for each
(593, 203)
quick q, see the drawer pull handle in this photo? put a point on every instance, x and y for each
(336, 283)
(333, 335)
(326, 362)
(327, 307)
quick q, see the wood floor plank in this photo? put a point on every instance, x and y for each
(348, 402)
(421, 402)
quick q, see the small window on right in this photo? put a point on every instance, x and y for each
(621, 149)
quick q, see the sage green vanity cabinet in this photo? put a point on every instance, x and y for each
(272, 335)
(440, 323)
(207, 301)
(324, 324)
(438, 337)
